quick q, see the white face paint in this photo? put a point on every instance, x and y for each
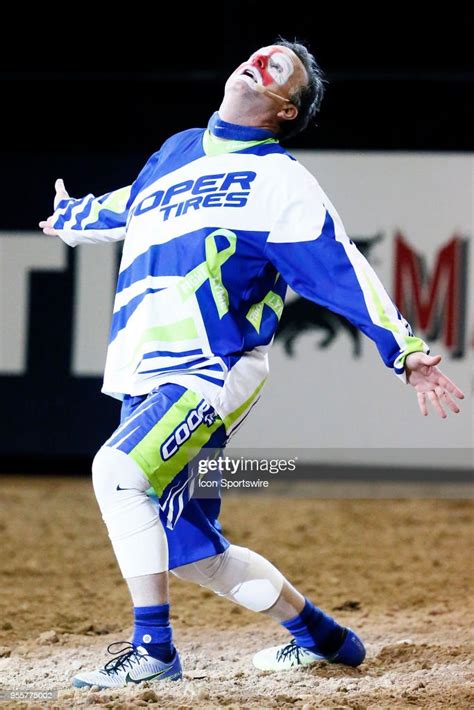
(270, 66)
(280, 67)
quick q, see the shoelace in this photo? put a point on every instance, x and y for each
(291, 651)
(126, 655)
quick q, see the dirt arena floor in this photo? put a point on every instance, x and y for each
(398, 571)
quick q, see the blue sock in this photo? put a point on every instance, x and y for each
(315, 630)
(153, 631)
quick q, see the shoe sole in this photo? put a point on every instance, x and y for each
(77, 683)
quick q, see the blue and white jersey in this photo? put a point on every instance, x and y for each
(216, 225)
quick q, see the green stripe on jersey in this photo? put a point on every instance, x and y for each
(218, 146)
(233, 416)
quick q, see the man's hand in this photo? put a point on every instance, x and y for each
(427, 379)
(61, 194)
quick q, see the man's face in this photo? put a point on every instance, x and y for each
(276, 68)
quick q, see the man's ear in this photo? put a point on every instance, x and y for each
(288, 113)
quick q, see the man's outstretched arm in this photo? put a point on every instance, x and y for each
(318, 260)
(89, 219)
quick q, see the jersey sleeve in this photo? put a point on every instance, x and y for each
(89, 219)
(310, 248)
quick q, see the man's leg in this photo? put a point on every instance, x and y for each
(248, 579)
(156, 444)
(141, 548)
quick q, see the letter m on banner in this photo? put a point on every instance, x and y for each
(434, 303)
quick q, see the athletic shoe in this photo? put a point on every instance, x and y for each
(132, 665)
(284, 657)
(290, 655)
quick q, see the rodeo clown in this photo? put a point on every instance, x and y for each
(217, 224)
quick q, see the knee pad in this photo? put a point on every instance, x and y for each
(112, 471)
(132, 521)
(239, 574)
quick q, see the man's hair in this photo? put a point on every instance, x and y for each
(307, 98)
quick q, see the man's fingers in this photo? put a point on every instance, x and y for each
(47, 227)
(61, 192)
(449, 385)
(436, 404)
(444, 397)
(422, 403)
(450, 403)
(60, 187)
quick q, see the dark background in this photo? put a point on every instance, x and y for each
(88, 95)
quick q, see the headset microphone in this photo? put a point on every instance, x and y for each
(262, 90)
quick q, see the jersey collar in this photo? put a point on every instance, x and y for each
(232, 131)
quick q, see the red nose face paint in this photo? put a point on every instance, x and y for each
(274, 66)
